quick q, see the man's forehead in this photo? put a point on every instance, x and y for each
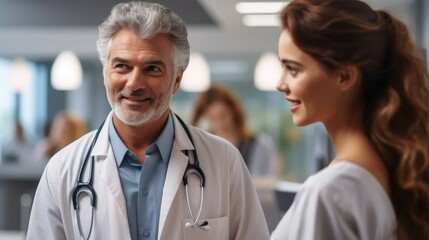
(125, 41)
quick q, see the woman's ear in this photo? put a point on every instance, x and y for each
(348, 77)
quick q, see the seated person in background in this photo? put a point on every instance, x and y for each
(226, 118)
(17, 150)
(66, 128)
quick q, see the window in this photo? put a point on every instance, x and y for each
(27, 107)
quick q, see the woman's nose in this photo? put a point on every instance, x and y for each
(282, 85)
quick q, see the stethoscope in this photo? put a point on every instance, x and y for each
(85, 187)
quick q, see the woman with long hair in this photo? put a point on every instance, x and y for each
(225, 116)
(66, 128)
(357, 71)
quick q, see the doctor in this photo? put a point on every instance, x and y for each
(126, 180)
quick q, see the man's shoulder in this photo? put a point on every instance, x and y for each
(202, 135)
(213, 145)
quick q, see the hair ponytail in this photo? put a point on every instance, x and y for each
(399, 127)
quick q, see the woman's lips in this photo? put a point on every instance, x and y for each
(294, 104)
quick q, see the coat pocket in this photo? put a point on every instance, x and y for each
(216, 229)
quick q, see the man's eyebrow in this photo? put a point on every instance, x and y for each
(118, 59)
(156, 62)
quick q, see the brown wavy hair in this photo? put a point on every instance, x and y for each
(219, 93)
(394, 87)
(66, 128)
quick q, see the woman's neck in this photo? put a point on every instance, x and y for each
(353, 145)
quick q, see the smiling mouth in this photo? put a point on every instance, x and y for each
(293, 102)
(136, 99)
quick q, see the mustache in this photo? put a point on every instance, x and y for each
(127, 92)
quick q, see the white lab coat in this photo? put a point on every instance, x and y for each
(231, 205)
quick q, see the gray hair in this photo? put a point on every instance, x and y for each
(146, 20)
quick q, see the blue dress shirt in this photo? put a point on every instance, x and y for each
(142, 184)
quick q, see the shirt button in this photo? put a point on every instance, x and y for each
(145, 192)
(146, 233)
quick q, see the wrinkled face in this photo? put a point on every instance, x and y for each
(139, 77)
(221, 118)
(311, 91)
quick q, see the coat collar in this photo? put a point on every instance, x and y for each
(101, 148)
(102, 145)
(173, 180)
(176, 169)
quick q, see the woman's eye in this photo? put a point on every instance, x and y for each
(292, 71)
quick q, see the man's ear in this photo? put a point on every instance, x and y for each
(348, 77)
(178, 80)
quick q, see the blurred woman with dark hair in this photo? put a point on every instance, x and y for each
(225, 116)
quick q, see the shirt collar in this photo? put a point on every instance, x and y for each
(165, 140)
(163, 143)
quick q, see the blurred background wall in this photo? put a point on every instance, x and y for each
(38, 30)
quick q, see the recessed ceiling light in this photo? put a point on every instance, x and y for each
(261, 20)
(259, 7)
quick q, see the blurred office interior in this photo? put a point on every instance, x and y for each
(37, 31)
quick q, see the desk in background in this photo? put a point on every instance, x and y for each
(18, 183)
(285, 194)
(12, 235)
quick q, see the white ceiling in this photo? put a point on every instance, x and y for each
(230, 39)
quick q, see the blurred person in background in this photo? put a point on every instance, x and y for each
(356, 70)
(66, 127)
(19, 150)
(219, 111)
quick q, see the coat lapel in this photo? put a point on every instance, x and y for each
(176, 168)
(108, 172)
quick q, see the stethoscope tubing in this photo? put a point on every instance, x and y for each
(85, 187)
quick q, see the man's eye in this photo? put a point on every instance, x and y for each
(120, 66)
(153, 69)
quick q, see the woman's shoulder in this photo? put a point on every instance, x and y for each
(341, 201)
(343, 177)
(349, 188)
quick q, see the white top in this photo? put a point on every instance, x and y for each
(343, 201)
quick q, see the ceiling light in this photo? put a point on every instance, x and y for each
(267, 72)
(196, 78)
(261, 20)
(20, 75)
(66, 72)
(259, 7)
